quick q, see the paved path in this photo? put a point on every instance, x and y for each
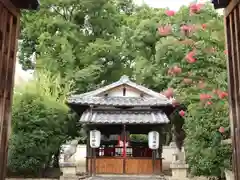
(127, 178)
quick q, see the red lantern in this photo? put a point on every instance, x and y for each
(170, 12)
(221, 129)
(182, 113)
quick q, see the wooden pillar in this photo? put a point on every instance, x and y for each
(160, 157)
(124, 149)
(91, 162)
(94, 161)
(88, 152)
(9, 28)
(154, 161)
(232, 31)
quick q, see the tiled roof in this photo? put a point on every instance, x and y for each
(92, 98)
(118, 101)
(124, 80)
(124, 117)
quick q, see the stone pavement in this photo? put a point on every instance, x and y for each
(127, 178)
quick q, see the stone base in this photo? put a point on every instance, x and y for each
(179, 171)
(229, 175)
(68, 169)
(65, 177)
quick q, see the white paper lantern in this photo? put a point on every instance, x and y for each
(95, 138)
(153, 140)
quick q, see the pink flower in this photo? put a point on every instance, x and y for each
(164, 30)
(209, 103)
(195, 8)
(168, 93)
(170, 12)
(204, 26)
(205, 96)
(185, 28)
(201, 84)
(222, 95)
(182, 113)
(190, 57)
(221, 129)
(177, 69)
(187, 81)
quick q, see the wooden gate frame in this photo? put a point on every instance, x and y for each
(232, 32)
(9, 31)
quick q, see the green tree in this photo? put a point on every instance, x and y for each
(78, 39)
(41, 123)
(184, 50)
(95, 43)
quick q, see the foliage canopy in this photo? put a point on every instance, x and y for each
(93, 44)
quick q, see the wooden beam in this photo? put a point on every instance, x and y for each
(231, 6)
(10, 7)
(26, 4)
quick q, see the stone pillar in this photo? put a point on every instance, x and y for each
(229, 175)
(179, 166)
(179, 171)
(68, 171)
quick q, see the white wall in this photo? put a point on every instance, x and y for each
(118, 92)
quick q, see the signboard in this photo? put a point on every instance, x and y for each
(153, 140)
(95, 138)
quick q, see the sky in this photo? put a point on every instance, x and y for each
(171, 4)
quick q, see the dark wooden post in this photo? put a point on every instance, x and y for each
(232, 25)
(9, 28)
(88, 153)
(154, 161)
(94, 161)
(91, 161)
(124, 149)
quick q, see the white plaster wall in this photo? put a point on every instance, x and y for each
(167, 153)
(80, 158)
(130, 92)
